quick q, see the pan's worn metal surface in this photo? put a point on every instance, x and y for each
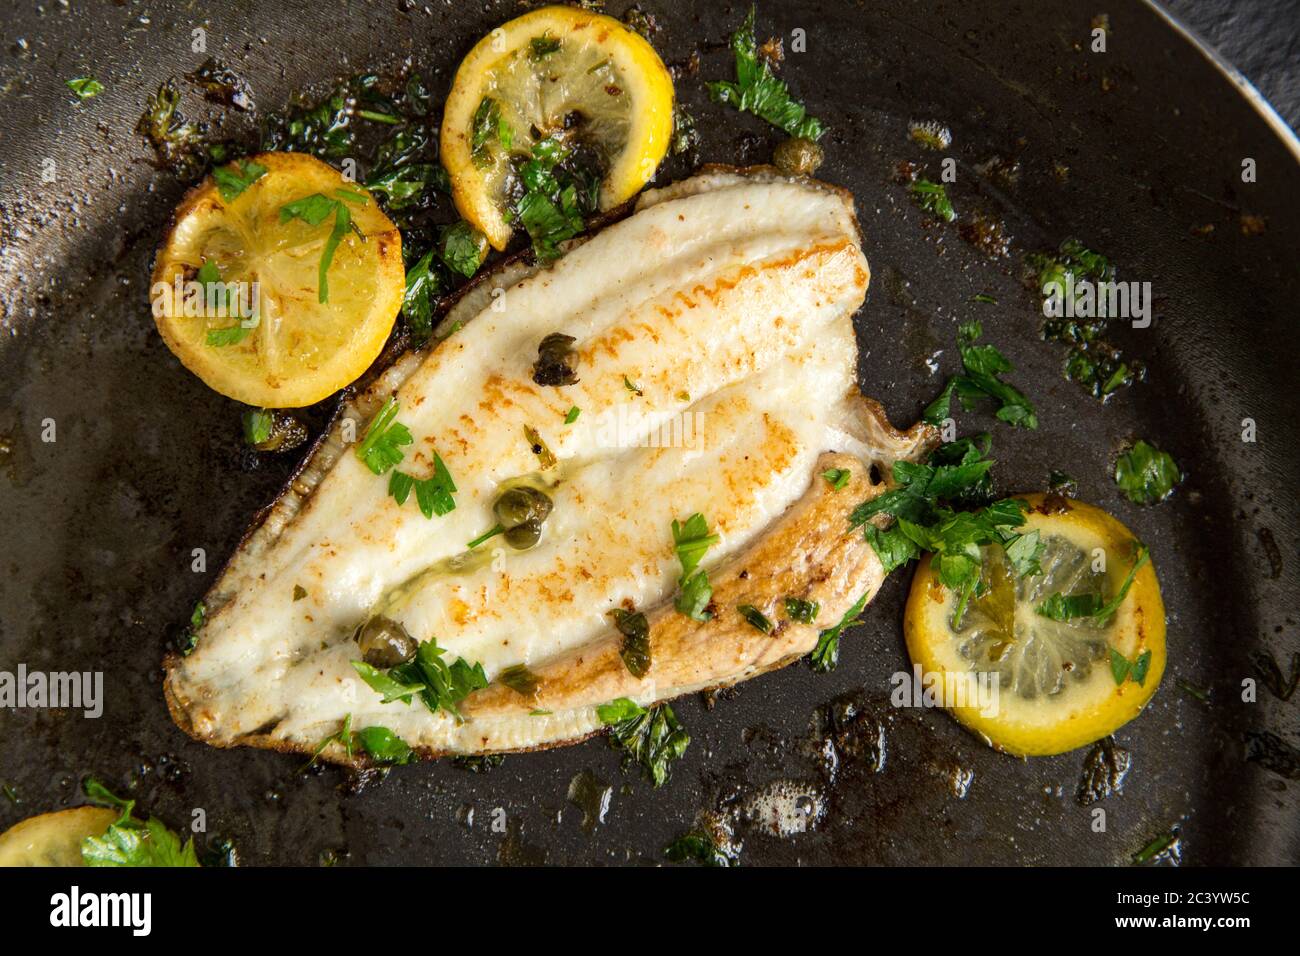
(1134, 151)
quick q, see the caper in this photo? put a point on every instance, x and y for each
(798, 157)
(384, 642)
(524, 536)
(556, 360)
(521, 504)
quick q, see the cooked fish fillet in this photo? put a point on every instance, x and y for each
(717, 373)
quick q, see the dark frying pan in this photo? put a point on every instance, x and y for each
(99, 526)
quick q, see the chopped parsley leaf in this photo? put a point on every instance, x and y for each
(130, 841)
(933, 198)
(384, 746)
(85, 87)
(956, 474)
(692, 539)
(801, 611)
(572, 415)
(433, 495)
(520, 679)
(827, 652)
(756, 618)
(983, 365)
(462, 248)
(424, 283)
(635, 649)
(1146, 474)
(652, 738)
(380, 446)
(1062, 607)
(757, 90)
(440, 685)
(232, 180)
(314, 210)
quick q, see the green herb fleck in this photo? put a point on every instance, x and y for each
(699, 848)
(85, 87)
(635, 649)
(933, 198)
(520, 679)
(827, 652)
(1146, 474)
(837, 477)
(232, 180)
(801, 611)
(384, 746)
(756, 618)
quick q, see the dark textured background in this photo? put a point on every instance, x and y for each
(97, 529)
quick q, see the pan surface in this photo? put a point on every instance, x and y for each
(1135, 151)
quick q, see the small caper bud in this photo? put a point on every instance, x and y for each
(384, 642)
(524, 536)
(521, 504)
(556, 360)
(798, 157)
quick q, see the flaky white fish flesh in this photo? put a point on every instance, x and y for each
(717, 373)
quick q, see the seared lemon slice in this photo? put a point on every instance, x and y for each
(557, 71)
(1065, 675)
(279, 281)
(53, 839)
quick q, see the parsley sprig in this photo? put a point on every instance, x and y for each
(957, 474)
(653, 737)
(758, 91)
(129, 841)
(381, 450)
(827, 652)
(440, 685)
(983, 365)
(381, 445)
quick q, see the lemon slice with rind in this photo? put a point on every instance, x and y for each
(53, 839)
(1062, 680)
(279, 282)
(557, 72)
